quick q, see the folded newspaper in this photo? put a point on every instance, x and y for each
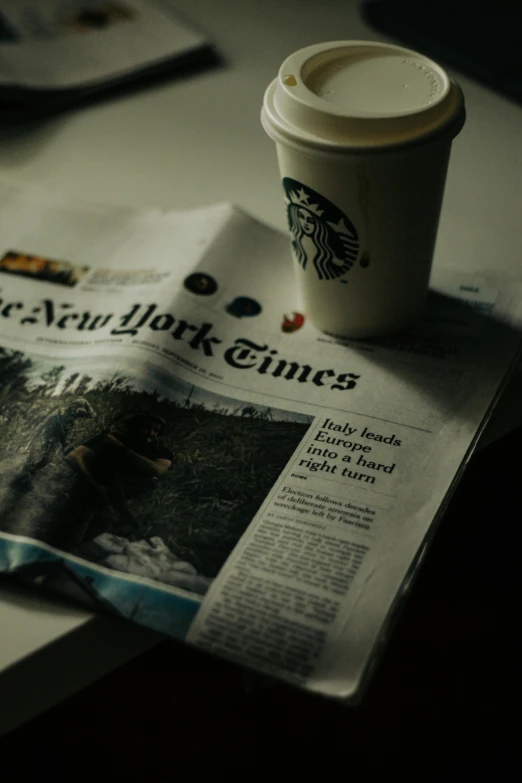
(180, 447)
(56, 51)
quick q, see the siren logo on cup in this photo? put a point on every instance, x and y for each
(320, 231)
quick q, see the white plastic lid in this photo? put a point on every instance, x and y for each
(361, 95)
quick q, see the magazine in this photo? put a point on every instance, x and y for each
(182, 448)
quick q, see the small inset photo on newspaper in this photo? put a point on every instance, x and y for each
(95, 16)
(147, 476)
(47, 270)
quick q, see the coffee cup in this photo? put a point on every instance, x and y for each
(363, 132)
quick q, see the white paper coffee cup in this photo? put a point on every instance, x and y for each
(363, 133)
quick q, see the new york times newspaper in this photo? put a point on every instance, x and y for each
(180, 447)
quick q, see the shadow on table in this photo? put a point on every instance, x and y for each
(20, 108)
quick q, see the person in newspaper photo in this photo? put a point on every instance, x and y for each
(48, 439)
(133, 470)
(112, 466)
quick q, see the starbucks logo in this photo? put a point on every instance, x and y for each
(320, 232)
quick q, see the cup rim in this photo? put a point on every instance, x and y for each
(295, 115)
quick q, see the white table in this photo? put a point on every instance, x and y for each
(197, 141)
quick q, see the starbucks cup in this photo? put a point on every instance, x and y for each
(363, 133)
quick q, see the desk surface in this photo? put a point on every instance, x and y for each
(198, 140)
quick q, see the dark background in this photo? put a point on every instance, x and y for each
(443, 703)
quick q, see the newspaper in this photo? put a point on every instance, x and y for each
(61, 47)
(180, 447)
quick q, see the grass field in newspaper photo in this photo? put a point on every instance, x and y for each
(213, 459)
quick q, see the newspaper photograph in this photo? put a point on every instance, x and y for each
(112, 459)
(181, 448)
